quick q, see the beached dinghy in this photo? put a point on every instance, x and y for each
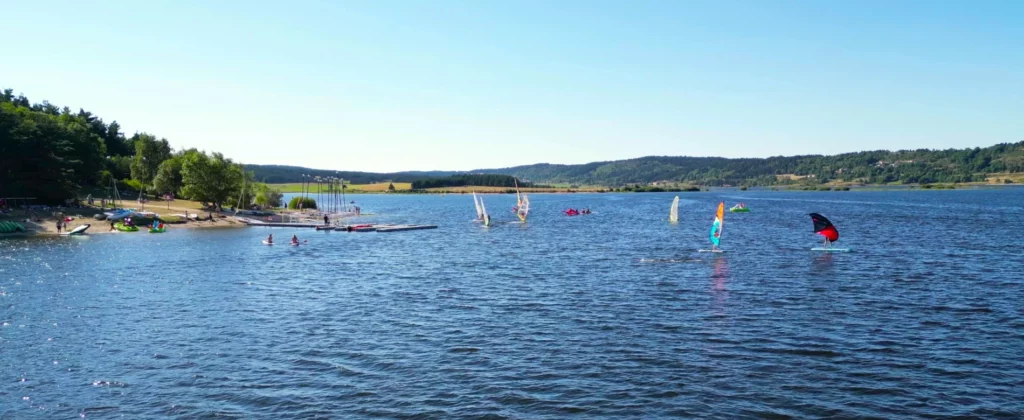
(80, 230)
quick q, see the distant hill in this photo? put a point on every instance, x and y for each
(279, 174)
(874, 167)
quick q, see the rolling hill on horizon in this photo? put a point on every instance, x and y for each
(875, 167)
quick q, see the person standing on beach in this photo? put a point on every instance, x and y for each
(58, 225)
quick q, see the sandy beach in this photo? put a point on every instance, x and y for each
(39, 224)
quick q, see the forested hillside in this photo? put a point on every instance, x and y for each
(876, 167)
(279, 174)
(52, 154)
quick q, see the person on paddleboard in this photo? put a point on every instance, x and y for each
(270, 238)
(295, 239)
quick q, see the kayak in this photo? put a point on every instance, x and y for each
(739, 210)
(11, 227)
(125, 228)
(267, 243)
(294, 244)
(157, 230)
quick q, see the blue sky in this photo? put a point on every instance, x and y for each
(403, 85)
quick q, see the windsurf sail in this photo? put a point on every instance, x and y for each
(673, 212)
(824, 227)
(522, 203)
(477, 204)
(523, 208)
(717, 226)
(484, 218)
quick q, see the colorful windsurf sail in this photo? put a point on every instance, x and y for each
(824, 227)
(717, 226)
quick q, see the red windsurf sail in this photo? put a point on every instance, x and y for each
(824, 227)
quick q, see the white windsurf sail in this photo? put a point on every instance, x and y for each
(479, 207)
(523, 209)
(484, 218)
(673, 212)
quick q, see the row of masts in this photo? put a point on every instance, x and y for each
(329, 193)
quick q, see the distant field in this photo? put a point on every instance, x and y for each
(405, 186)
(794, 177)
(468, 189)
(1000, 178)
(379, 187)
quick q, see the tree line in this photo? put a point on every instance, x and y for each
(869, 167)
(479, 180)
(54, 154)
(280, 174)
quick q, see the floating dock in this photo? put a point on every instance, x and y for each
(346, 228)
(282, 224)
(402, 228)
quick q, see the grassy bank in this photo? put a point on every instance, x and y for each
(350, 188)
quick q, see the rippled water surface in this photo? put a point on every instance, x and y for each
(614, 314)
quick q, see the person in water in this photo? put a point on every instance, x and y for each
(270, 238)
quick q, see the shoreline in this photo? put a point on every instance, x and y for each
(48, 228)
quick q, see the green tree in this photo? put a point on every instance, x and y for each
(149, 154)
(300, 202)
(168, 176)
(267, 196)
(210, 179)
(391, 187)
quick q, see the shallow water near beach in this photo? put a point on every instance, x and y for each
(613, 314)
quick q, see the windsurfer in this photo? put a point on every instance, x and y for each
(825, 228)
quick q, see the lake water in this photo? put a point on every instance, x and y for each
(614, 314)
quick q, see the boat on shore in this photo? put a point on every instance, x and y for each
(125, 228)
(79, 230)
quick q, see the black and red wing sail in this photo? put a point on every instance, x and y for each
(824, 227)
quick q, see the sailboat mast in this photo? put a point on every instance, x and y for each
(241, 194)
